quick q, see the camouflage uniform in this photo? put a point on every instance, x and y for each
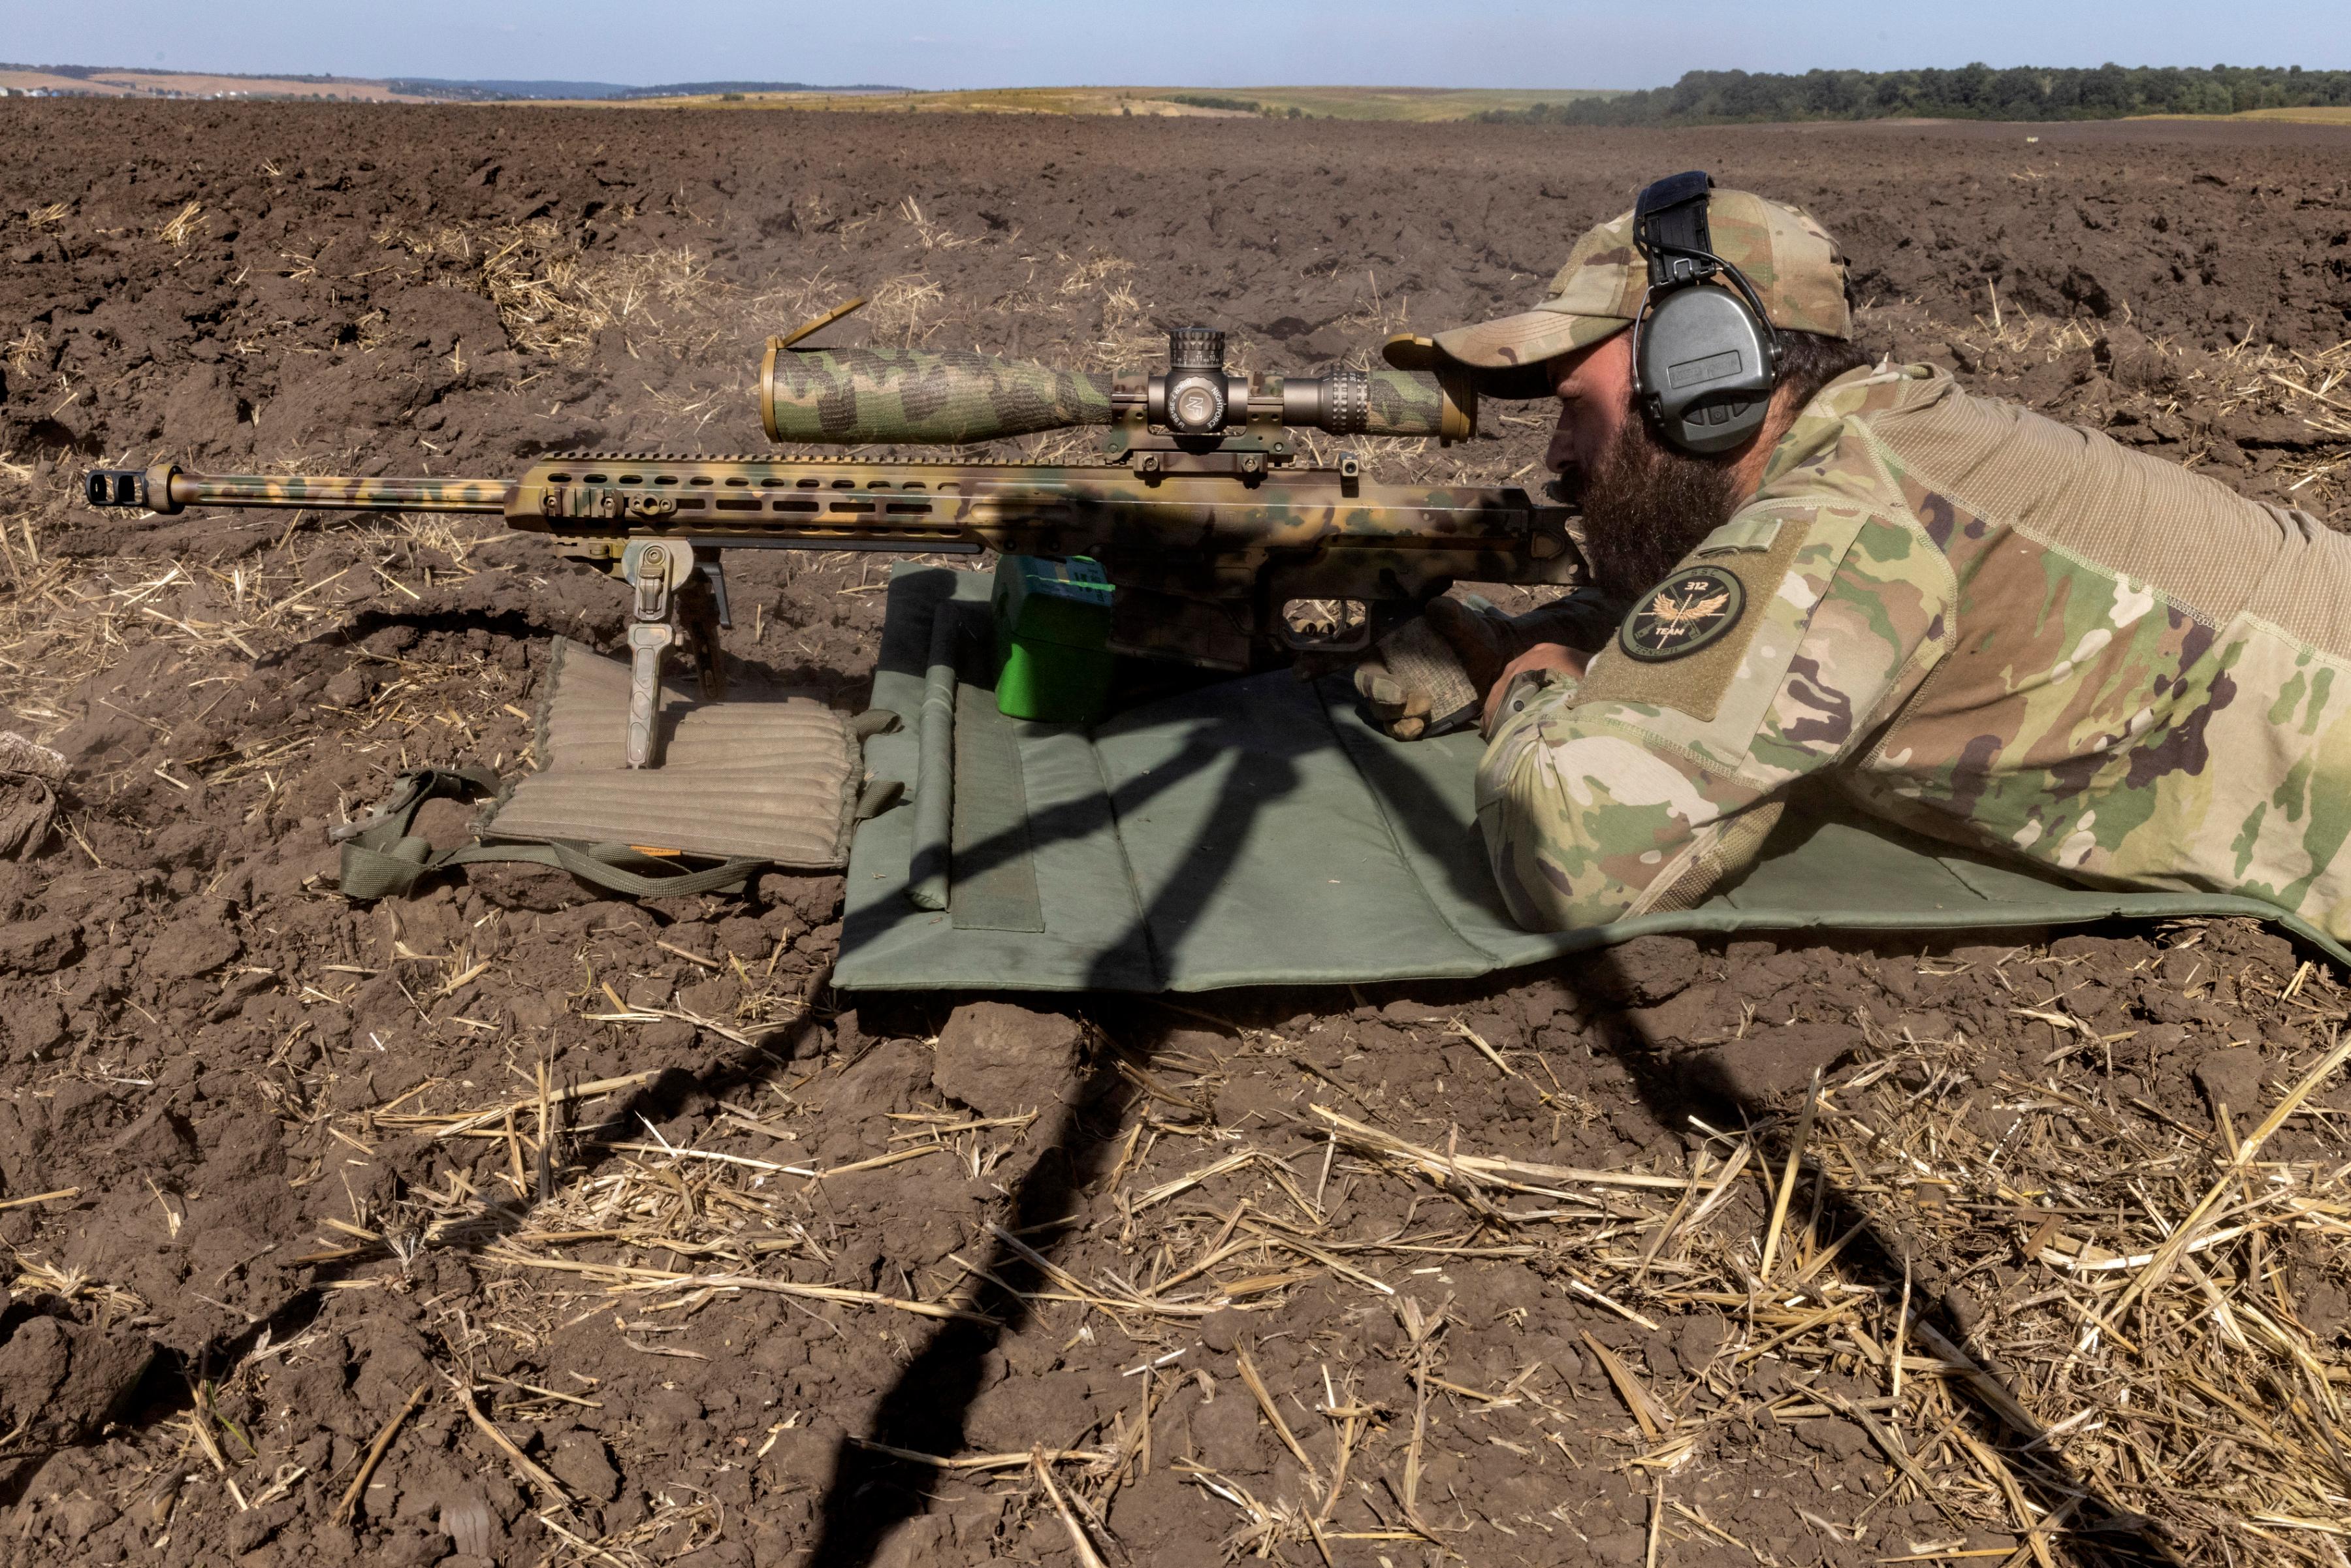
(1981, 624)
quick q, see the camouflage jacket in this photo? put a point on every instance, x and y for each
(1981, 624)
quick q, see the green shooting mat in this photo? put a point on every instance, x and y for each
(1259, 831)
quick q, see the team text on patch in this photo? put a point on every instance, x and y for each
(1689, 610)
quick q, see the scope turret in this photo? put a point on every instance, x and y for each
(1196, 395)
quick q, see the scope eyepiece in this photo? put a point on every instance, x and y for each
(1338, 403)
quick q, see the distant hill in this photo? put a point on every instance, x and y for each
(1393, 104)
(136, 81)
(1390, 103)
(486, 91)
(490, 91)
(123, 82)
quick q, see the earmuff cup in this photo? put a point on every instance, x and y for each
(1705, 369)
(1705, 359)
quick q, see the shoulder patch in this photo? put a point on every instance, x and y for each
(1695, 607)
(1685, 641)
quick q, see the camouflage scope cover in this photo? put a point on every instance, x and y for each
(920, 396)
(931, 397)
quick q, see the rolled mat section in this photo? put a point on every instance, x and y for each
(849, 396)
(927, 868)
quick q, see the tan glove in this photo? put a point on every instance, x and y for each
(1431, 674)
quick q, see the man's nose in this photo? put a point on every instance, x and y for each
(1559, 456)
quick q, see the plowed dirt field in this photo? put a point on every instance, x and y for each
(479, 1228)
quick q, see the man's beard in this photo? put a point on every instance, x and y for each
(1646, 506)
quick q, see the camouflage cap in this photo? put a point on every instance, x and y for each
(1794, 265)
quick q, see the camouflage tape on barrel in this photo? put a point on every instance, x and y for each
(849, 396)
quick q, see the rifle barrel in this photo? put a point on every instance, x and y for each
(167, 489)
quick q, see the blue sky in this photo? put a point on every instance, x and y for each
(1205, 43)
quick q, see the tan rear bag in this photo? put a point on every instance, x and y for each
(749, 784)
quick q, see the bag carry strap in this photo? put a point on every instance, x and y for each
(382, 860)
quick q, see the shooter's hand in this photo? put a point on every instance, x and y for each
(1435, 673)
(1554, 658)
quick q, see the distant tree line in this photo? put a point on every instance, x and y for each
(1971, 92)
(1215, 101)
(1233, 105)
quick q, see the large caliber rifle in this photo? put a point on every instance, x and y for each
(1197, 511)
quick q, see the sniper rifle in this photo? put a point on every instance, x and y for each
(1197, 511)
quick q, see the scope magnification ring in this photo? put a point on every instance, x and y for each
(1346, 402)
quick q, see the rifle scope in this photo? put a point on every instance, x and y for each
(923, 396)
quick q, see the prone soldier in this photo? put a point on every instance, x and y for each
(1964, 618)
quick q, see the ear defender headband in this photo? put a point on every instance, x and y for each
(1705, 361)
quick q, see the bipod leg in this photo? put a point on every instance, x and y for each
(701, 610)
(654, 571)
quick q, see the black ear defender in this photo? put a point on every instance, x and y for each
(1705, 359)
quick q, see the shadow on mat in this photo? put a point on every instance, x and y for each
(1071, 1161)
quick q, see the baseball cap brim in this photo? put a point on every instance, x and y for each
(1508, 356)
(1529, 338)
